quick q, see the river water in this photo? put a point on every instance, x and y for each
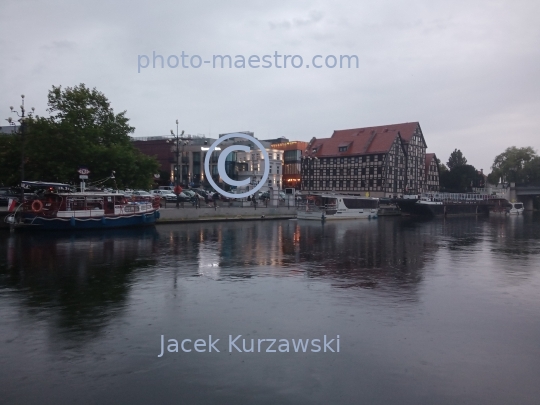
(427, 312)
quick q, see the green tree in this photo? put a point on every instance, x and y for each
(82, 130)
(456, 159)
(461, 179)
(442, 166)
(515, 165)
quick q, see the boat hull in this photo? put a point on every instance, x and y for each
(446, 209)
(104, 222)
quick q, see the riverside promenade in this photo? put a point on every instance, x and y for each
(223, 213)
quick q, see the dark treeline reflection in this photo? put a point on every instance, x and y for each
(84, 277)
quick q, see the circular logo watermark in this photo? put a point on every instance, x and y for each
(221, 166)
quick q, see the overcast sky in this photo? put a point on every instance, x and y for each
(468, 71)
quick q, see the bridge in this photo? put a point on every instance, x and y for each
(524, 194)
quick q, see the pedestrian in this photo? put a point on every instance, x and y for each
(215, 197)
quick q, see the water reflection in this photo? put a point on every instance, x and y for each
(83, 278)
(425, 309)
(83, 274)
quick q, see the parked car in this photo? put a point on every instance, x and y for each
(193, 195)
(201, 193)
(167, 188)
(141, 193)
(182, 197)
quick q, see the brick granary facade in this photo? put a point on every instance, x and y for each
(383, 161)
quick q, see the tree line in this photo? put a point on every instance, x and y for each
(82, 130)
(514, 165)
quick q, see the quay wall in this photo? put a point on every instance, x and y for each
(174, 215)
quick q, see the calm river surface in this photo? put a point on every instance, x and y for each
(428, 312)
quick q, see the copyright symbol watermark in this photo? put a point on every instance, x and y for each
(221, 166)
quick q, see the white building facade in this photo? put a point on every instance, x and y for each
(251, 164)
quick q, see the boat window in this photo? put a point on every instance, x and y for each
(518, 206)
(359, 203)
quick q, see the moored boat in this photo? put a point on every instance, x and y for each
(83, 210)
(448, 204)
(515, 208)
(334, 206)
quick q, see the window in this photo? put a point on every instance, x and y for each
(371, 170)
(371, 158)
(348, 183)
(363, 171)
(314, 150)
(327, 183)
(371, 182)
(341, 172)
(363, 159)
(379, 182)
(279, 156)
(270, 170)
(328, 172)
(363, 183)
(334, 172)
(342, 149)
(341, 160)
(355, 183)
(356, 172)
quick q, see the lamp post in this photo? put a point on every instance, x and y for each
(178, 138)
(23, 118)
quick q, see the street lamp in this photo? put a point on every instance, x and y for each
(179, 139)
(23, 118)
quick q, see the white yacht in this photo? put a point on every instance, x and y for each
(514, 208)
(335, 206)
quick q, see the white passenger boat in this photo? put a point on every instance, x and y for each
(515, 208)
(334, 206)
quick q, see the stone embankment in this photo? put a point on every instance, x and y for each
(223, 213)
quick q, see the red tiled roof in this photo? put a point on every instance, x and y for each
(406, 130)
(429, 158)
(358, 143)
(367, 140)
